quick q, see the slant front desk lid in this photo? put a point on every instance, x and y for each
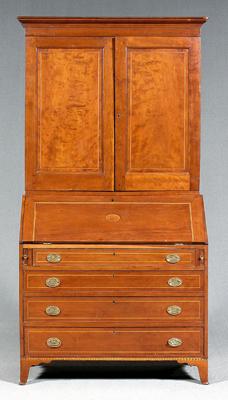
(113, 218)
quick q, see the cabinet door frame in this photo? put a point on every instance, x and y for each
(102, 179)
(187, 179)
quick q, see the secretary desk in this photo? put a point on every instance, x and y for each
(113, 242)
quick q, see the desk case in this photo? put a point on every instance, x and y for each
(113, 242)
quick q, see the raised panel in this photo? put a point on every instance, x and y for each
(69, 106)
(157, 110)
(157, 125)
(69, 114)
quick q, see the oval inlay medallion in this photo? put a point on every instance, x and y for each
(112, 217)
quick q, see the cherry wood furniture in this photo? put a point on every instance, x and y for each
(113, 242)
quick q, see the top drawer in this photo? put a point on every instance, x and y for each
(115, 258)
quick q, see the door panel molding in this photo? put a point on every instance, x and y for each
(70, 120)
(157, 109)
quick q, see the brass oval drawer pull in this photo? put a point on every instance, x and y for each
(54, 342)
(52, 282)
(174, 310)
(174, 342)
(54, 258)
(175, 282)
(52, 310)
(172, 258)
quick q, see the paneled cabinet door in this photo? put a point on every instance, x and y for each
(69, 114)
(157, 113)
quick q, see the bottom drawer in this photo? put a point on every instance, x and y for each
(106, 342)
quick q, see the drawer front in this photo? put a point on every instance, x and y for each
(116, 257)
(107, 342)
(118, 310)
(54, 282)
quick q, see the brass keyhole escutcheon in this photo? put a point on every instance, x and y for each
(172, 258)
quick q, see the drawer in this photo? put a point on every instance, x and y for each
(92, 282)
(114, 310)
(110, 343)
(114, 258)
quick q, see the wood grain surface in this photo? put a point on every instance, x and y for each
(108, 342)
(112, 218)
(69, 121)
(142, 219)
(157, 134)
